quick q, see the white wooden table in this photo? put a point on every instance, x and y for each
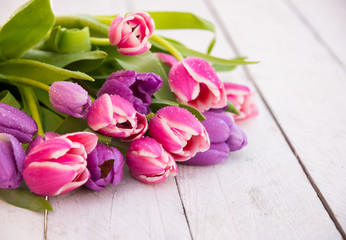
(288, 183)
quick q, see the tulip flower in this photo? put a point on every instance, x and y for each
(105, 165)
(131, 33)
(11, 161)
(225, 136)
(149, 162)
(194, 82)
(166, 58)
(113, 116)
(243, 100)
(137, 88)
(17, 123)
(57, 164)
(69, 98)
(179, 132)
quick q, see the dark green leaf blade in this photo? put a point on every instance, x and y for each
(7, 98)
(24, 199)
(26, 28)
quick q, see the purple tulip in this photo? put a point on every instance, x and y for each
(69, 98)
(11, 161)
(17, 123)
(149, 162)
(137, 88)
(225, 136)
(105, 165)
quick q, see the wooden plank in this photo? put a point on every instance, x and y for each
(327, 19)
(302, 84)
(261, 192)
(131, 210)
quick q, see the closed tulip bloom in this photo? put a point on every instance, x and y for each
(194, 82)
(149, 162)
(69, 98)
(137, 88)
(58, 165)
(131, 33)
(11, 161)
(17, 123)
(243, 100)
(225, 136)
(105, 165)
(114, 116)
(179, 132)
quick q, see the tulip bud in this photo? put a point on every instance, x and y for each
(57, 165)
(17, 123)
(105, 165)
(11, 161)
(69, 98)
(149, 162)
(243, 100)
(179, 132)
(113, 116)
(194, 82)
(225, 136)
(131, 33)
(137, 88)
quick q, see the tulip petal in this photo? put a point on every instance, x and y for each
(89, 140)
(100, 113)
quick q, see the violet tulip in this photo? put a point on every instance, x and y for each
(149, 162)
(17, 123)
(114, 116)
(194, 82)
(179, 132)
(243, 100)
(69, 98)
(105, 165)
(131, 33)
(11, 161)
(57, 164)
(137, 88)
(225, 136)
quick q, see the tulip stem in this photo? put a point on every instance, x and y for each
(28, 95)
(100, 41)
(27, 82)
(171, 49)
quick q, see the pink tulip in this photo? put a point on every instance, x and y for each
(113, 116)
(57, 165)
(194, 82)
(179, 132)
(131, 33)
(243, 100)
(149, 162)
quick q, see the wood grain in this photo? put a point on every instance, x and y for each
(302, 84)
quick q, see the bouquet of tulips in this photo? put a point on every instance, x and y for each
(81, 96)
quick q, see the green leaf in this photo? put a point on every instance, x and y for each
(231, 108)
(38, 71)
(97, 29)
(50, 120)
(157, 104)
(219, 64)
(7, 98)
(101, 138)
(28, 26)
(24, 199)
(64, 59)
(72, 124)
(147, 62)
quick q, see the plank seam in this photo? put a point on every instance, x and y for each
(232, 44)
(183, 206)
(304, 20)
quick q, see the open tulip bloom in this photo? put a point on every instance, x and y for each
(98, 93)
